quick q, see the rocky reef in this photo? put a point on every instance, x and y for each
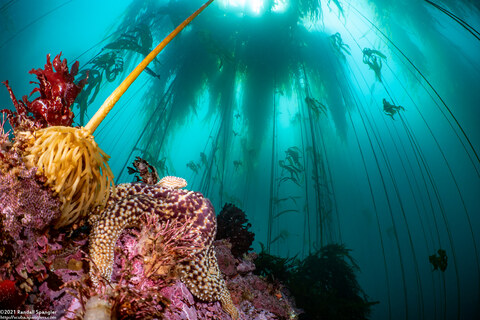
(159, 268)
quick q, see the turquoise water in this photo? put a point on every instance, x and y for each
(258, 103)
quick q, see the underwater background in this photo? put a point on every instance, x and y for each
(353, 122)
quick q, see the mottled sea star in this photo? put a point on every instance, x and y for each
(132, 200)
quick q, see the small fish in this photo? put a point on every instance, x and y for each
(152, 73)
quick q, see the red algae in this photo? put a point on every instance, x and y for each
(33, 258)
(47, 270)
(57, 91)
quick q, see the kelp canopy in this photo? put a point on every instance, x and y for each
(325, 121)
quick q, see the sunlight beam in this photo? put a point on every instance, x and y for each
(247, 6)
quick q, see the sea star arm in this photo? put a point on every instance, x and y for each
(201, 273)
(122, 214)
(203, 278)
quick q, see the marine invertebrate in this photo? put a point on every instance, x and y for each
(146, 264)
(97, 309)
(29, 254)
(36, 261)
(253, 294)
(57, 153)
(172, 182)
(26, 209)
(200, 271)
(57, 150)
(184, 306)
(10, 298)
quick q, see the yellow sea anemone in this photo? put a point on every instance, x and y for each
(75, 167)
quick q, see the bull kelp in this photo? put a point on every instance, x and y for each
(327, 123)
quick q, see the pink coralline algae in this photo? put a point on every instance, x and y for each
(26, 206)
(57, 94)
(147, 265)
(255, 298)
(151, 258)
(167, 202)
(25, 203)
(46, 269)
(184, 306)
(36, 262)
(39, 265)
(31, 257)
(147, 284)
(9, 157)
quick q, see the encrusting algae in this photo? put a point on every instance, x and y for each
(75, 167)
(167, 202)
(69, 161)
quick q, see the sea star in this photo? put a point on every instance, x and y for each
(166, 200)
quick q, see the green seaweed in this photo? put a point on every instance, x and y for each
(324, 284)
(273, 268)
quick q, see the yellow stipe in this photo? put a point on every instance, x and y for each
(75, 167)
(120, 90)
